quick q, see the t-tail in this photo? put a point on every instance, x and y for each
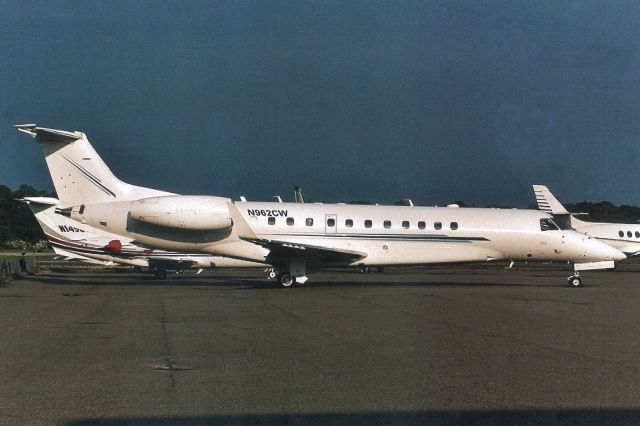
(548, 203)
(78, 173)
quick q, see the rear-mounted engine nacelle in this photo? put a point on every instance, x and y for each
(188, 212)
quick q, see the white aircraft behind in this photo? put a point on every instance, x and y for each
(77, 241)
(623, 236)
(299, 238)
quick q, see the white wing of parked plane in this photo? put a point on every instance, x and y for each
(282, 248)
(630, 250)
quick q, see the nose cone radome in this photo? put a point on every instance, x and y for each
(619, 255)
(600, 251)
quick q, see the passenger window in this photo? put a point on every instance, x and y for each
(405, 224)
(331, 222)
(309, 221)
(348, 223)
(437, 225)
(367, 223)
(271, 220)
(290, 221)
(629, 234)
(421, 225)
(547, 225)
(454, 226)
(637, 234)
(621, 234)
(387, 224)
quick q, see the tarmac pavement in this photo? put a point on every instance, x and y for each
(439, 346)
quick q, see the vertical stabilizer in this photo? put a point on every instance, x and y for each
(547, 202)
(78, 173)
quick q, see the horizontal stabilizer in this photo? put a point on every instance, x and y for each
(48, 135)
(45, 201)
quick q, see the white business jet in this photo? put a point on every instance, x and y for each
(77, 241)
(300, 238)
(623, 236)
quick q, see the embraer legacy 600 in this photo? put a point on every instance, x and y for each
(299, 238)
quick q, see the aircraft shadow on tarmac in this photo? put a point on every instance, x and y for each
(499, 417)
(243, 283)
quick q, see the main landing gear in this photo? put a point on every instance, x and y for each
(574, 280)
(286, 280)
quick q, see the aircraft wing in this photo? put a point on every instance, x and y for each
(170, 263)
(282, 249)
(67, 255)
(630, 251)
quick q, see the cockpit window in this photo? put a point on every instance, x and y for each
(548, 225)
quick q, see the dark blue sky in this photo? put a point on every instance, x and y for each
(435, 101)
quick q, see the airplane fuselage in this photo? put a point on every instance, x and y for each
(385, 235)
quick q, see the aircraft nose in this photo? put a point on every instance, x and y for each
(619, 255)
(606, 252)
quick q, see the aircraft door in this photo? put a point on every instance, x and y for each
(330, 223)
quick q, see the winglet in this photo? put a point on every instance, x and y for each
(547, 202)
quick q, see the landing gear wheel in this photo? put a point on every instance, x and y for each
(160, 274)
(286, 280)
(574, 281)
(271, 273)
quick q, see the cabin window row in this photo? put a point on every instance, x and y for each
(629, 234)
(331, 222)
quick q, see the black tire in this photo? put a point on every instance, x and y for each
(286, 280)
(575, 281)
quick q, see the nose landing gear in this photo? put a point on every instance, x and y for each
(574, 280)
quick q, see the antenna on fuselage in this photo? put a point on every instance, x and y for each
(297, 194)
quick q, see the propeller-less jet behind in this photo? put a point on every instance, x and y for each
(623, 236)
(77, 241)
(299, 238)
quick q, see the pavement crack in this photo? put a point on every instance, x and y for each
(169, 365)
